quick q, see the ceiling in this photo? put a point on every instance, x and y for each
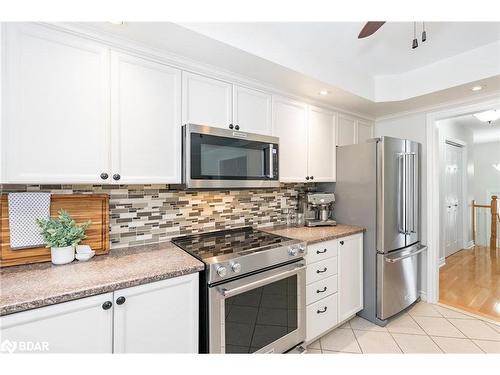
(192, 46)
(331, 52)
(482, 131)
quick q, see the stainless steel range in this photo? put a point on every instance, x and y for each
(252, 292)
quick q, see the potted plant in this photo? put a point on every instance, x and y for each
(62, 234)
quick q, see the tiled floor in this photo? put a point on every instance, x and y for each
(426, 328)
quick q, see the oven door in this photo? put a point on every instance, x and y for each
(221, 158)
(261, 313)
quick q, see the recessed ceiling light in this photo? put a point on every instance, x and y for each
(477, 88)
(488, 116)
(323, 92)
(117, 22)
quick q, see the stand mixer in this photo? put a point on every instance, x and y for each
(317, 208)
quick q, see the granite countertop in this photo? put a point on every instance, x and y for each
(315, 234)
(36, 285)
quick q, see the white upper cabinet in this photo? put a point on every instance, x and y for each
(321, 145)
(56, 92)
(252, 110)
(290, 125)
(206, 101)
(161, 317)
(146, 120)
(345, 130)
(364, 131)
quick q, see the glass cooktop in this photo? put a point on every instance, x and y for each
(233, 241)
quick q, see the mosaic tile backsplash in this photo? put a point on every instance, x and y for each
(143, 214)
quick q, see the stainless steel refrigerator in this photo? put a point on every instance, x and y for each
(378, 187)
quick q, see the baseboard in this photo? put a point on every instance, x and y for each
(469, 244)
(423, 295)
(442, 262)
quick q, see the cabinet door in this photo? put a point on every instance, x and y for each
(161, 317)
(57, 107)
(321, 145)
(252, 110)
(364, 131)
(80, 326)
(206, 101)
(345, 130)
(350, 275)
(146, 120)
(290, 125)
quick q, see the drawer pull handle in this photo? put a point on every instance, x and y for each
(321, 252)
(324, 270)
(321, 311)
(321, 291)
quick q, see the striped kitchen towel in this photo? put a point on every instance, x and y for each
(24, 209)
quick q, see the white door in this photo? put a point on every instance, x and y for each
(206, 101)
(364, 131)
(321, 145)
(350, 284)
(146, 120)
(345, 130)
(57, 107)
(160, 317)
(453, 199)
(290, 125)
(252, 110)
(81, 326)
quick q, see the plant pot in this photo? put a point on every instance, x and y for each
(62, 255)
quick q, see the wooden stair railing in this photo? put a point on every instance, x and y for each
(493, 206)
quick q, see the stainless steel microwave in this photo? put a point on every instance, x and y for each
(222, 158)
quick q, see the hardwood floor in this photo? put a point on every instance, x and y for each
(470, 280)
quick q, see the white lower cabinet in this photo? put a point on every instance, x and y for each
(334, 283)
(81, 326)
(159, 317)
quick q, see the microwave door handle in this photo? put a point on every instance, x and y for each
(271, 169)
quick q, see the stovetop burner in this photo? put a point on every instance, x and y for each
(226, 242)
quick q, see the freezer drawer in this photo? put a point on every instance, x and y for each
(397, 280)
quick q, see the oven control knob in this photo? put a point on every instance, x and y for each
(236, 267)
(221, 271)
(293, 251)
(302, 249)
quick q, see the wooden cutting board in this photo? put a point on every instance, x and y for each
(81, 207)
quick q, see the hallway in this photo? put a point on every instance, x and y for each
(470, 280)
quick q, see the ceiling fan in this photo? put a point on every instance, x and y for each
(370, 28)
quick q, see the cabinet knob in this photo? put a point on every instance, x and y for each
(231, 126)
(341, 242)
(107, 305)
(307, 177)
(237, 127)
(104, 176)
(120, 300)
(312, 177)
(116, 177)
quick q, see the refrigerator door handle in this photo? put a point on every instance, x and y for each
(414, 193)
(398, 259)
(402, 193)
(409, 194)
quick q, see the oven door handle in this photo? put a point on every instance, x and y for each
(245, 286)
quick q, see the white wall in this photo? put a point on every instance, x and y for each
(412, 127)
(486, 182)
(450, 130)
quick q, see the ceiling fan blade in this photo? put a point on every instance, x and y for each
(370, 28)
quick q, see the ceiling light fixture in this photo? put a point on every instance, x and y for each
(477, 88)
(497, 166)
(414, 44)
(424, 33)
(323, 92)
(488, 116)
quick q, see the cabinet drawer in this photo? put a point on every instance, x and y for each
(321, 250)
(321, 289)
(321, 316)
(321, 270)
